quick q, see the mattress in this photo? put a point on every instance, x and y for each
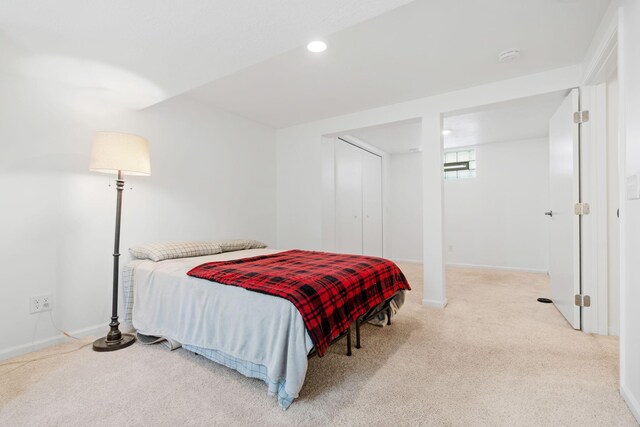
(257, 334)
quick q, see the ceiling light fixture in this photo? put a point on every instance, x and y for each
(509, 55)
(446, 132)
(317, 46)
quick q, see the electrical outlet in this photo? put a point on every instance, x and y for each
(41, 303)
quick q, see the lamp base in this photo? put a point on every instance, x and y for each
(103, 344)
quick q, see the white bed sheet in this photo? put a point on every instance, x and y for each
(254, 327)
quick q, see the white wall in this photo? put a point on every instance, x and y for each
(405, 207)
(213, 176)
(629, 78)
(497, 219)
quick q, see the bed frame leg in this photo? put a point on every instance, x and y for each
(349, 341)
(358, 333)
(389, 315)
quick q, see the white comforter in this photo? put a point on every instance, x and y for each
(254, 327)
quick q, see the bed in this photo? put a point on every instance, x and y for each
(259, 335)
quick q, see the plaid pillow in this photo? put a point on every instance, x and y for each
(231, 245)
(171, 250)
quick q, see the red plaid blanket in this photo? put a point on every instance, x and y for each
(329, 290)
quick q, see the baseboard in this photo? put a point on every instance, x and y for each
(19, 350)
(435, 303)
(497, 267)
(410, 261)
(631, 401)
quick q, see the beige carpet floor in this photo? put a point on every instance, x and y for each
(493, 357)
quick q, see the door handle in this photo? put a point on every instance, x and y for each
(549, 213)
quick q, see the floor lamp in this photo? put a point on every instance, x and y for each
(118, 153)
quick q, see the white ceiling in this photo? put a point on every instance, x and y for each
(392, 138)
(517, 120)
(248, 56)
(140, 52)
(420, 49)
(522, 119)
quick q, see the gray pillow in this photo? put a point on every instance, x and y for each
(231, 245)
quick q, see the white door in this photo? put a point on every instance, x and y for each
(371, 204)
(348, 198)
(564, 192)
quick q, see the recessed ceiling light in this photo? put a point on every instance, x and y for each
(317, 46)
(446, 131)
(509, 55)
(415, 150)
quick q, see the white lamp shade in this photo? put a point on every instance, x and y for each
(114, 151)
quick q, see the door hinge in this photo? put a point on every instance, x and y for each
(583, 300)
(582, 209)
(581, 116)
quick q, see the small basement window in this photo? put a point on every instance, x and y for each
(460, 164)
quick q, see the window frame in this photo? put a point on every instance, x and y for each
(456, 169)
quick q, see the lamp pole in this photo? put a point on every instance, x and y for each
(115, 339)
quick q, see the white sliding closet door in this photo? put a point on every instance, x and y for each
(348, 198)
(358, 189)
(371, 204)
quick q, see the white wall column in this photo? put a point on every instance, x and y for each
(433, 212)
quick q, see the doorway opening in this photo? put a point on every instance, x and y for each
(494, 207)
